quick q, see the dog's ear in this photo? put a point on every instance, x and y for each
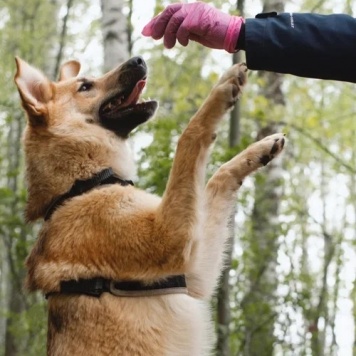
(34, 88)
(69, 70)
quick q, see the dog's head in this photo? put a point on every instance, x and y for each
(78, 126)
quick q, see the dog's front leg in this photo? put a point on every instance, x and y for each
(220, 199)
(178, 217)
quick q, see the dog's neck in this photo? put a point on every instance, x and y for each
(106, 176)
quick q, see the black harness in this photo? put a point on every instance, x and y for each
(80, 187)
(95, 287)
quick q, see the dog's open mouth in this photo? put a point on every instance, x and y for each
(125, 111)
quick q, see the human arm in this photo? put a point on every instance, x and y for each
(303, 44)
(308, 45)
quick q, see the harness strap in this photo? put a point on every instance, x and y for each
(80, 187)
(95, 287)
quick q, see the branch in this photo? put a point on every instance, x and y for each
(319, 144)
(324, 148)
(62, 39)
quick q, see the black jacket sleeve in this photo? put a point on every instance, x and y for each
(307, 45)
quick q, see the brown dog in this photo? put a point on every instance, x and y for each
(125, 272)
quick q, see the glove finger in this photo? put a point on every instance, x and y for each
(173, 25)
(157, 26)
(183, 34)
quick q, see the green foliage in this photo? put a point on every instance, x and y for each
(26, 31)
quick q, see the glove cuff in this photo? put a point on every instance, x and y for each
(232, 33)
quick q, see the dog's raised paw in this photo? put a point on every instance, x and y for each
(263, 151)
(230, 85)
(272, 146)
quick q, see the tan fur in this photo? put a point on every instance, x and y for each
(122, 232)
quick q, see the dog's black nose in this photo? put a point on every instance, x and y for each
(136, 62)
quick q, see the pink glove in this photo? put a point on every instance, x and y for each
(198, 22)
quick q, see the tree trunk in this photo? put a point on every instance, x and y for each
(16, 270)
(115, 33)
(16, 306)
(62, 39)
(258, 304)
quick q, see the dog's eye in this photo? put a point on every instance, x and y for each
(85, 86)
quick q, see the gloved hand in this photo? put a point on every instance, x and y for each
(198, 22)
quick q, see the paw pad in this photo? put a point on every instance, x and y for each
(265, 159)
(277, 146)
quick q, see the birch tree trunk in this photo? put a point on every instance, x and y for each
(258, 304)
(115, 33)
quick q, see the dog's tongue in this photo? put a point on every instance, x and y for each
(135, 94)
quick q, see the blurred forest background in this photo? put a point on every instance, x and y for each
(290, 288)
